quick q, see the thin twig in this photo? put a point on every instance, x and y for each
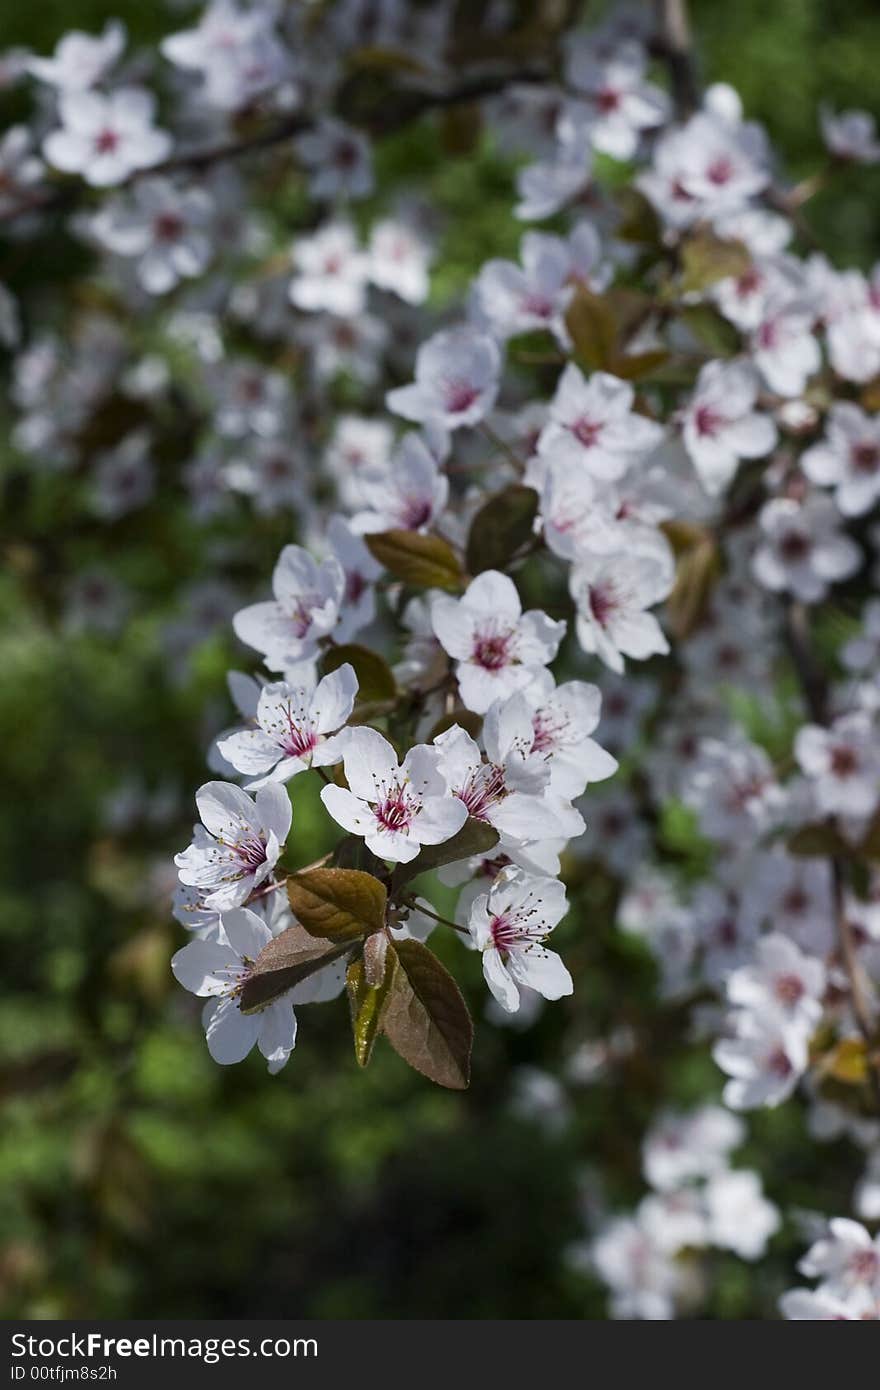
(428, 912)
(502, 446)
(266, 889)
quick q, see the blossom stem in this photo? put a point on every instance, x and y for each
(266, 889)
(502, 446)
(428, 912)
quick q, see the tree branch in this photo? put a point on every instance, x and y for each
(404, 106)
(673, 44)
(814, 687)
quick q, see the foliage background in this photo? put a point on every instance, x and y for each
(136, 1177)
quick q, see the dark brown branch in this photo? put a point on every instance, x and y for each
(673, 44)
(814, 687)
(403, 106)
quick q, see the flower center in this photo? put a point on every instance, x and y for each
(778, 1064)
(395, 813)
(794, 547)
(492, 651)
(789, 990)
(720, 171)
(355, 586)
(864, 1265)
(278, 467)
(539, 305)
(298, 740)
(607, 100)
(844, 762)
(504, 933)
(345, 156)
(167, 226)
(416, 512)
(250, 850)
(603, 603)
(586, 431)
(301, 615)
(749, 283)
(796, 902)
(707, 422)
(236, 977)
(548, 732)
(483, 790)
(866, 458)
(460, 396)
(106, 141)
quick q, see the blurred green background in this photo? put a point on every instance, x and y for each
(136, 1177)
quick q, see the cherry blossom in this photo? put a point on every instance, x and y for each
(306, 607)
(848, 459)
(409, 494)
(803, 550)
(619, 104)
(456, 380)
(721, 425)
(850, 135)
(331, 271)
(218, 970)
(612, 594)
(238, 843)
(764, 1059)
(509, 925)
(592, 425)
(80, 61)
(106, 138)
(397, 808)
(167, 230)
(294, 729)
(843, 765)
(399, 260)
(339, 159)
(497, 648)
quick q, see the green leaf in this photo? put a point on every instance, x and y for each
(352, 853)
(870, 846)
(368, 1003)
(502, 526)
(427, 562)
(847, 1062)
(707, 258)
(593, 329)
(375, 679)
(464, 718)
(640, 365)
(697, 570)
(475, 837)
(284, 962)
(711, 329)
(426, 1020)
(822, 840)
(639, 221)
(343, 904)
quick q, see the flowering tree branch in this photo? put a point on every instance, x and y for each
(526, 537)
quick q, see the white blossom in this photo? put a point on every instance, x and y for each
(509, 925)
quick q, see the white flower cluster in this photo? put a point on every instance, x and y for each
(650, 1260)
(689, 477)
